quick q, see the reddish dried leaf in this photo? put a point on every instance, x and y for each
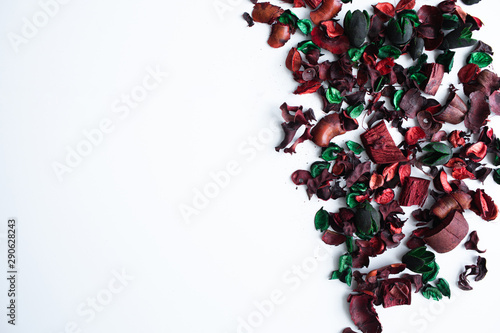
(468, 73)
(435, 73)
(384, 10)
(396, 292)
(337, 45)
(384, 197)
(483, 205)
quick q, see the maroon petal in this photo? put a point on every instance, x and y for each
(363, 313)
(471, 244)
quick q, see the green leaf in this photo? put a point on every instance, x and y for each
(367, 220)
(443, 287)
(419, 78)
(396, 100)
(411, 15)
(351, 199)
(318, 167)
(289, 18)
(446, 59)
(329, 153)
(354, 111)
(439, 154)
(389, 51)
(481, 59)
(432, 274)
(305, 26)
(306, 46)
(359, 187)
(496, 175)
(420, 260)
(355, 147)
(450, 21)
(356, 53)
(350, 244)
(322, 220)
(344, 273)
(429, 291)
(333, 95)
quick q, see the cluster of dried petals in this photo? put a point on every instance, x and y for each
(363, 74)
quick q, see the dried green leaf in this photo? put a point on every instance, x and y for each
(322, 220)
(318, 167)
(355, 147)
(446, 59)
(429, 291)
(305, 26)
(329, 153)
(444, 287)
(333, 95)
(481, 59)
(389, 51)
(354, 111)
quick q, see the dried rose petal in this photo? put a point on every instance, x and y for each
(471, 244)
(333, 238)
(327, 10)
(454, 111)
(483, 205)
(396, 292)
(264, 12)
(363, 313)
(413, 135)
(384, 197)
(280, 34)
(435, 73)
(441, 182)
(336, 45)
(293, 60)
(376, 181)
(326, 129)
(476, 152)
(456, 138)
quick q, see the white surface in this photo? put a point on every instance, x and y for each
(118, 211)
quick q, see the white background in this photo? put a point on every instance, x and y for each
(118, 210)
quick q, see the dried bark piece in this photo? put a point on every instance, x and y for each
(326, 129)
(414, 192)
(380, 146)
(435, 73)
(457, 200)
(448, 234)
(454, 110)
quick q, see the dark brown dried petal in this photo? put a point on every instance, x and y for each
(264, 12)
(326, 129)
(363, 313)
(293, 60)
(280, 34)
(327, 10)
(471, 244)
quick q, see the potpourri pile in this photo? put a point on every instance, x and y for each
(448, 141)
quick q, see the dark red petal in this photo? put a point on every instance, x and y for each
(327, 10)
